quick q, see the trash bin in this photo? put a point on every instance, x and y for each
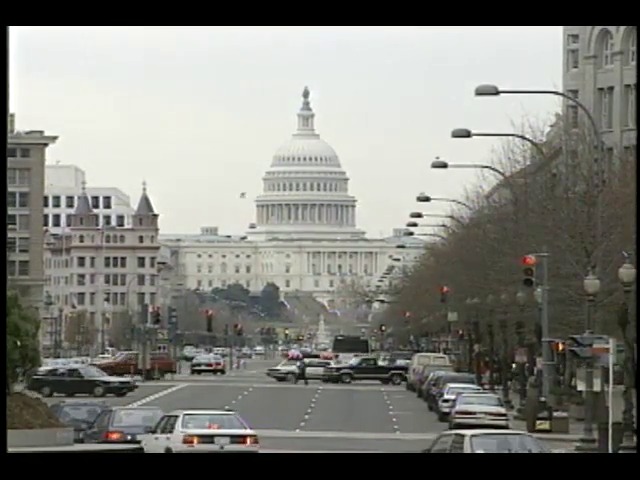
(603, 436)
(560, 422)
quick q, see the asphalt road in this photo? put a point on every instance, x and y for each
(365, 417)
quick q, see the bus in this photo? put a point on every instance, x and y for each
(345, 347)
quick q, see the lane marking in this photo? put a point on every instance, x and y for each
(394, 421)
(309, 411)
(158, 395)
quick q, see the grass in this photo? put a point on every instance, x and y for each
(25, 412)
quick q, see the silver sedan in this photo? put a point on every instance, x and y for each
(478, 410)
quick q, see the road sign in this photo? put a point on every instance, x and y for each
(521, 355)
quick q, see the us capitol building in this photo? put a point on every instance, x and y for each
(305, 237)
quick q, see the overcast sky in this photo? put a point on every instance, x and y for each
(198, 112)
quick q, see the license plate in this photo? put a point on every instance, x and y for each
(222, 440)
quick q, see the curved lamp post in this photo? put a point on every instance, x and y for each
(442, 165)
(436, 215)
(587, 442)
(427, 225)
(627, 275)
(488, 90)
(424, 198)
(466, 133)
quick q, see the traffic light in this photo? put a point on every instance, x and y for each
(383, 328)
(209, 318)
(444, 294)
(529, 271)
(156, 318)
(286, 334)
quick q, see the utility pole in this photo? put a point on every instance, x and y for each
(547, 354)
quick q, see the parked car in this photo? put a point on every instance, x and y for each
(478, 410)
(78, 380)
(78, 415)
(450, 394)
(435, 392)
(122, 424)
(486, 441)
(424, 363)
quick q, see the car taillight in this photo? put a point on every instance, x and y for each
(113, 436)
(190, 440)
(210, 365)
(251, 440)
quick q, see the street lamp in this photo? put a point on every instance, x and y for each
(442, 165)
(424, 198)
(466, 133)
(427, 225)
(436, 215)
(492, 341)
(521, 360)
(587, 443)
(627, 276)
(504, 331)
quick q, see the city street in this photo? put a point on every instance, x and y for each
(362, 417)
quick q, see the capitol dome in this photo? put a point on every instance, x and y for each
(305, 190)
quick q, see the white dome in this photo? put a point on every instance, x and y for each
(306, 149)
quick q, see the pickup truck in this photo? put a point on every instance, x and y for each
(365, 368)
(127, 363)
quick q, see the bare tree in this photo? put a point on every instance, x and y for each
(80, 333)
(121, 330)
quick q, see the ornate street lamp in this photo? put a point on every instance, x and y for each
(627, 276)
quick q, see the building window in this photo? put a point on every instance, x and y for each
(23, 245)
(55, 201)
(287, 283)
(141, 280)
(331, 283)
(45, 220)
(141, 262)
(123, 262)
(25, 153)
(23, 268)
(632, 47)
(23, 223)
(12, 152)
(120, 221)
(106, 220)
(12, 221)
(45, 202)
(152, 262)
(70, 201)
(80, 238)
(106, 203)
(629, 105)
(248, 284)
(236, 269)
(82, 262)
(81, 280)
(140, 239)
(107, 262)
(18, 177)
(287, 269)
(121, 239)
(572, 109)
(247, 268)
(606, 49)
(573, 52)
(605, 106)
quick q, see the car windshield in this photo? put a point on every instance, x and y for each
(484, 400)
(70, 414)
(212, 421)
(136, 417)
(506, 443)
(92, 372)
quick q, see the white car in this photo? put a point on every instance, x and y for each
(478, 410)
(201, 431)
(486, 441)
(450, 393)
(209, 363)
(259, 350)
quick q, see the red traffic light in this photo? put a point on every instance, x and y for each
(444, 289)
(529, 260)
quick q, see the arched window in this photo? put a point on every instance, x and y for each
(630, 46)
(605, 48)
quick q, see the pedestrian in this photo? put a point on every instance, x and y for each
(302, 372)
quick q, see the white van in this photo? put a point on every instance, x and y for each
(420, 360)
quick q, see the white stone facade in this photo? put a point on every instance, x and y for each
(599, 69)
(63, 186)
